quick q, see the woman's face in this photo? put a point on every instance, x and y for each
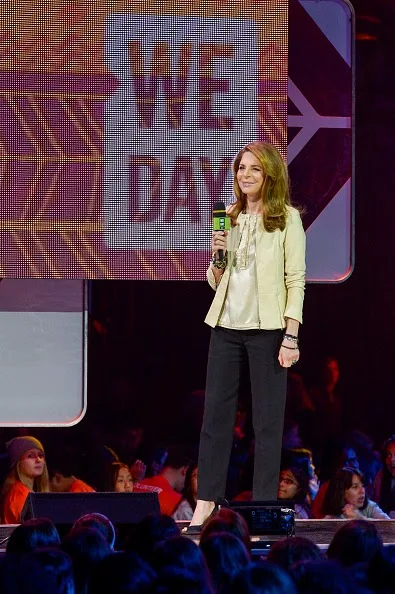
(355, 495)
(250, 175)
(32, 463)
(124, 483)
(288, 486)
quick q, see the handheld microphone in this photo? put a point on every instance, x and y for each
(221, 222)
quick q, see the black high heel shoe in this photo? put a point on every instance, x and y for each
(195, 529)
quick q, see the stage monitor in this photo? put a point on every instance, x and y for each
(66, 508)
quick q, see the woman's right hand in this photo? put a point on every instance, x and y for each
(351, 512)
(219, 241)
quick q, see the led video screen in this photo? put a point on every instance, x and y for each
(120, 121)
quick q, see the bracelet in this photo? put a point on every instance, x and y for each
(290, 348)
(220, 264)
(291, 337)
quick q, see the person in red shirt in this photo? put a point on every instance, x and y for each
(28, 473)
(169, 483)
(63, 467)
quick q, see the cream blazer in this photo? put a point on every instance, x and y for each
(281, 268)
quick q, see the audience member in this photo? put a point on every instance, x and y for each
(100, 523)
(288, 551)
(173, 580)
(337, 454)
(150, 532)
(358, 545)
(86, 547)
(170, 482)
(229, 521)
(369, 459)
(262, 578)
(294, 486)
(225, 555)
(323, 577)
(187, 505)
(32, 535)
(119, 478)
(28, 472)
(122, 573)
(183, 554)
(346, 498)
(45, 571)
(355, 542)
(302, 458)
(62, 468)
(155, 457)
(327, 417)
(384, 482)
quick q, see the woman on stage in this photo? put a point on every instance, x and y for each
(255, 314)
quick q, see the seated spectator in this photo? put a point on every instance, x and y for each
(328, 404)
(186, 507)
(225, 556)
(290, 550)
(384, 482)
(119, 478)
(262, 578)
(122, 573)
(358, 545)
(32, 535)
(28, 473)
(302, 458)
(369, 459)
(325, 577)
(150, 532)
(86, 547)
(294, 486)
(155, 457)
(100, 523)
(337, 454)
(62, 467)
(356, 542)
(45, 570)
(173, 580)
(182, 553)
(346, 498)
(169, 483)
(229, 521)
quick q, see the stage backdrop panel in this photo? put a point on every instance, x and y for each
(120, 120)
(320, 132)
(43, 326)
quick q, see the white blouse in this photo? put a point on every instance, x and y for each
(240, 310)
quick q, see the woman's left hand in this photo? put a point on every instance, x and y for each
(138, 470)
(288, 356)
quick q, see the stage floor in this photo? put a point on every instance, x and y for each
(319, 531)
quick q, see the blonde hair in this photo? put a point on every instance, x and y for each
(275, 194)
(40, 483)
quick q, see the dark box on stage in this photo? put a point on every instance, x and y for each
(66, 508)
(266, 517)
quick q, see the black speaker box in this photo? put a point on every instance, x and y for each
(66, 508)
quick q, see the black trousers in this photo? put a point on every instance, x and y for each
(228, 349)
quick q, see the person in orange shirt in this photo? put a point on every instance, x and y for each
(62, 467)
(28, 473)
(169, 483)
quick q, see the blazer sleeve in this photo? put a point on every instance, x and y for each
(294, 265)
